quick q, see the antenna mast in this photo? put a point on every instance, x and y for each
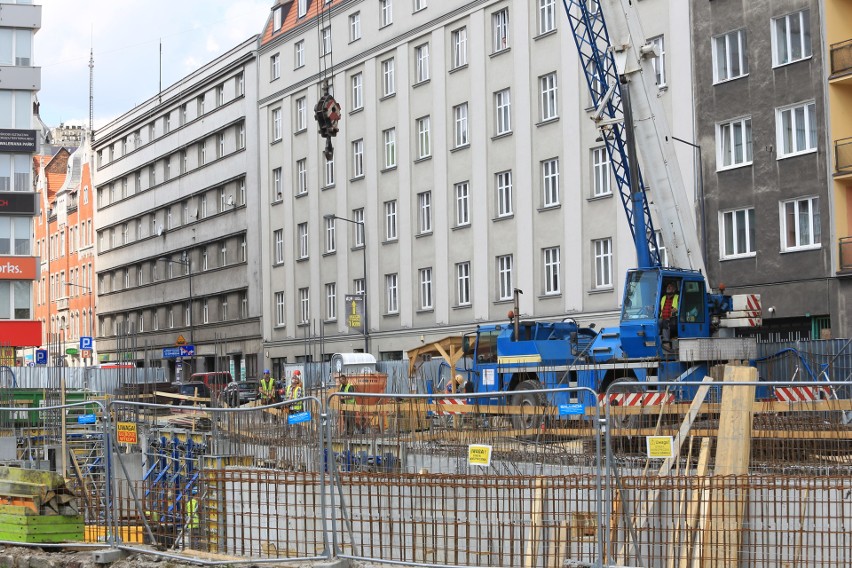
(91, 91)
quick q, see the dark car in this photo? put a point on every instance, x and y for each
(248, 390)
(193, 388)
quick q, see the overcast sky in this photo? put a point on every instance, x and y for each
(126, 35)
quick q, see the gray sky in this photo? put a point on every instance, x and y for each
(125, 35)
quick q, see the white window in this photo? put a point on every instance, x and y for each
(730, 56)
(279, 308)
(500, 29)
(325, 41)
(552, 269)
(424, 143)
(419, 5)
(601, 176)
(503, 111)
(278, 238)
(275, 66)
(276, 124)
(462, 191)
(330, 235)
(791, 38)
(460, 119)
(358, 217)
(737, 233)
(303, 240)
(241, 136)
(299, 54)
(358, 158)
(425, 288)
(421, 61)
(244, 305)
(546, 16)
(223, 308)
(504, 193)
(331, 301)
(602, 249)
(187, 313)
(303, 8)
(389, 137)
(463, 283)
(391, 233)
(424, 208)
(241, 84)
(277, 18)
(205, 311)
(220, 100)
(504, 277)
(357, 91)
(302, 176)
(660, 60)
(220, 144)
(388, 84)
(459, 43)
(243, 250)
(550, 182)
(277, 190)
(329, 172)
(549, 106)
(205, 265)
(359, 286)
(355, 26)
(796, 129)
(301, 114)
(392, 293)
(304, 305)
(385, 12)
(733, 143)
(800, 224)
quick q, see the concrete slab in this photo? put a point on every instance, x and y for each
(108, 556)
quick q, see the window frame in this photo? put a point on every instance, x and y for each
(602, 255)
(500, 30)
(426, 292)
(722, 53)
(424, 212)
(809, 116)
(357, 83)
(388, 77)
(391, 225)
(503, 192)
(601, 172)
(354, 26)
(552, 269)
(302, 235)
(277, 130)
(278, 246)
(503, 112)
(550, 182)
(546, 16)
(458, 39)
(814, 220)
(463, 283)
(392, 293)
(805, 40)
(389, 146)
(275, 66)
(747, 143)
(461, 134)
(424, 137)
(462, 200)
(730, 231)
(421, 63)
(505, 283)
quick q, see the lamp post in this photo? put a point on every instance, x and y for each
(89, 322)
(366, 310)
(185, 261)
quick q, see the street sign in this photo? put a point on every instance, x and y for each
(86, 343)
(86, 353)
(41, 357)
(182, 351)
(72, 351)
(181, 340)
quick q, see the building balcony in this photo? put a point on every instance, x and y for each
(61, 304)
(843, 157)
(845, 256)
(841, 61)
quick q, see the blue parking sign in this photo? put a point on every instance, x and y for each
(86, 343)
(41, 357)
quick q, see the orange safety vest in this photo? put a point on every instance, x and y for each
(668, 304)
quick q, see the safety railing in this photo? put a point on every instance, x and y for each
(841, 58)
(844, 245)
(843, 156)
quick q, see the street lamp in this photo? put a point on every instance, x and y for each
(366, 311)
(188, 264)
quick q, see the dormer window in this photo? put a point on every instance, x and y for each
(277, 18)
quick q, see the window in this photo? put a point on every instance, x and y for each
(385, 13)
(733, 143)
(223, 308)
(329, 172)
(463, 283)
(791, 37)
(203, 206)
(277, 192)
(737, 233)
(199, 103)
(279, 308)
(796, 129)
(392, 294)
(602, 249)
(459, 43)
(331, 301)
(460, 119)
(601, 178)
(357, 91)
(424, 144)
(358, 158)
(424, 208)
(504, 193)
(303, 240)
(355, 26)
(220, 146)
(277, 18)
(500, 29)
(241, 135)
(278, 239)
(359, 286)
(358, 217)
(244, 305)
(167, 127)
(660, 60)
(167, 174)
(550, 182)
(298, 54)
(549, 107)
(503, 111)
(240, 82)
(184, 118)
(551, 270)
(390, 221)
(546, 16)
(301, 114)
(204, 260)
(202, 152)
(421, 62)
(276, 124)
(303, 8)
(325, 41)
(800, 224)
(302, 176)
(388, 84)
(504, 277)
(187, 314)
(220, 97)
(730, 56)
(152, 175)
(330, 235)
(462, 191)
(419, 5)
(389, 137)
(425, 288)
(275, 66)
(304, 305)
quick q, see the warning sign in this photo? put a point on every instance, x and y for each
(126, 433)
(479, 455)
(660, 446)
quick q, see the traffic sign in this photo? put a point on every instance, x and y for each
(86, 343)
(41, 357)
(86, 353)
(182, 351)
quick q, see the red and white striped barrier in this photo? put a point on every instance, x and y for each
(802, 394)
(452, 405)
(636, 399)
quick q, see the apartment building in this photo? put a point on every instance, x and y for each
(466, 167)
(176, 225)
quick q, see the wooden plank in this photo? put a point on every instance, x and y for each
(536, 513)
(693, 522)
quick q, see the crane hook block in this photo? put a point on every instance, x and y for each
(327, 114)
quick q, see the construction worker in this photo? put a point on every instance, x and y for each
(295, 391)
(668, 313)
(267, 389)
(193, 524)
(348, 415)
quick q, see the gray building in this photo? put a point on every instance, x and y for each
(177, 224)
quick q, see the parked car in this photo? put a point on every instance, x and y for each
(215, 381)
(193, 388)
(248, 390)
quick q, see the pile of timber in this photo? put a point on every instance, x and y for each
(36, 506)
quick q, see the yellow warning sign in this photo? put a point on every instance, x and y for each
(125, 432)
(660, 446)
(479, 455)
(181, 340)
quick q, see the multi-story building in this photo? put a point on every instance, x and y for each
(64, 233)
(761, 118)
(176, 224)
(465, 167)
(18, 201)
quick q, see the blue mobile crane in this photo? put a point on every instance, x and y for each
(658, 338)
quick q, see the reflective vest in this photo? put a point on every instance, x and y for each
(668, 304)
(348, 388)
(267, 387)
(292, 393)
(192, 514)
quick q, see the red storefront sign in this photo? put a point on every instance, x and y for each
(20, 333)
(18, 268)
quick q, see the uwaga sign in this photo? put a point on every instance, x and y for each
(18, 268)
